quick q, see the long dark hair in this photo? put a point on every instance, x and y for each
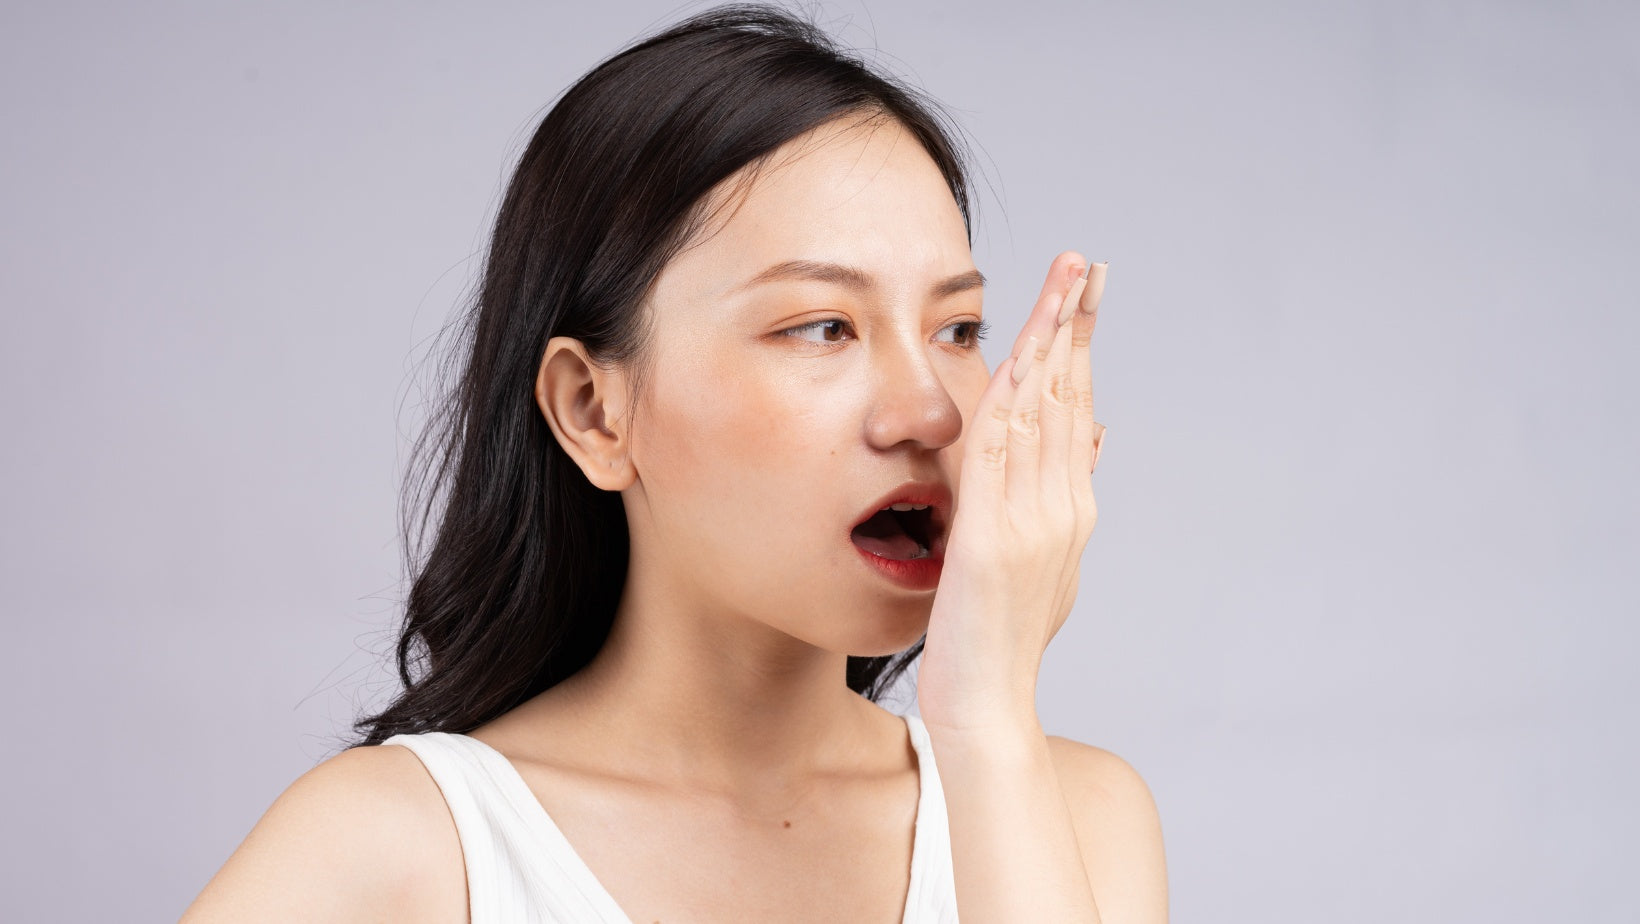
(528, 558)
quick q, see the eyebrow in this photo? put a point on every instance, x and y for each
(854, 278)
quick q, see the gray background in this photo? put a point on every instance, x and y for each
(1360, 605)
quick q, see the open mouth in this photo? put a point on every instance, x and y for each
(902, 532)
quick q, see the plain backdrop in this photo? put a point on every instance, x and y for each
(1361, 602)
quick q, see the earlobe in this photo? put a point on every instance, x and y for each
(584, 406)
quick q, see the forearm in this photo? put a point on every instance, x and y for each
(1013, 847)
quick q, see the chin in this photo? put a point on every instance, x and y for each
(858, 625)
(891, 637)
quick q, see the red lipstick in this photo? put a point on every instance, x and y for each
(905, 545)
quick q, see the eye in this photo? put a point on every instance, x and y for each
(969, 333)
(831, 330)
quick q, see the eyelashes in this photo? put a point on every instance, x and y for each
(815, 325)
(977, 331)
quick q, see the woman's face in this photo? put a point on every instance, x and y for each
(782, 407)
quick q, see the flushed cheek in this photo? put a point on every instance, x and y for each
(747, 414)
(759, 454)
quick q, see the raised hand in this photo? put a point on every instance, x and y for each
(1025, 510)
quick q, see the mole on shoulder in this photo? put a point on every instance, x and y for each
(787, 823)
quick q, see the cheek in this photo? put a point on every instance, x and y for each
(731, 439)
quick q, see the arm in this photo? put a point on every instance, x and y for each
(1118, 830)
(1047, 829)
(364, 836)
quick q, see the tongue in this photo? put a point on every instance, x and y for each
(882, 535)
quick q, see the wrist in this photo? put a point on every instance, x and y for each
(993, 753)
(985, 731)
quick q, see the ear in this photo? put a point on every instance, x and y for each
(585, 406)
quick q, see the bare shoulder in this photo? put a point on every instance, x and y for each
(1118, 829)
(1097, 775)
(363, 836)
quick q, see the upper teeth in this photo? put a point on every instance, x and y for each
(904, 507)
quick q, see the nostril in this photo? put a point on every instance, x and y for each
(924, 413)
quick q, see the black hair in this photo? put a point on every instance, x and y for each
(528, 558)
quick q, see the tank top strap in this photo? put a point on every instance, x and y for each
(932, 898)
(519, 866)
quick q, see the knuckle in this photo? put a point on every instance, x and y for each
(993, 453)
(1022, 429)
(1081, 499)
(1086, 516)
(1060, 389)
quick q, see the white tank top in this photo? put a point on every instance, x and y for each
(521, 868)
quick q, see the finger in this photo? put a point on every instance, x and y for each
(985, 450)
(1043, 318)
(1024, 451)
(1083, 433)
(1057, 402)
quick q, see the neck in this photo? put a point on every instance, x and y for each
(715, 701)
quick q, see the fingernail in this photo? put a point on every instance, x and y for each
(1098, 444)
(1022, 363)
(1072, 298)
(1096, 287)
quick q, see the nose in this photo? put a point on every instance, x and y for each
(909, 402)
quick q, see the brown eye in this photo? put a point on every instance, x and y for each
(968, 333)
(831, 330)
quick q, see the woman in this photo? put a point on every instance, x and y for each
(700, 487)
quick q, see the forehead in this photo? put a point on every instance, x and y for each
(857, 192)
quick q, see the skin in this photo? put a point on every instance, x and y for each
(716, 720)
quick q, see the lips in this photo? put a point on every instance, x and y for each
(905, 534)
